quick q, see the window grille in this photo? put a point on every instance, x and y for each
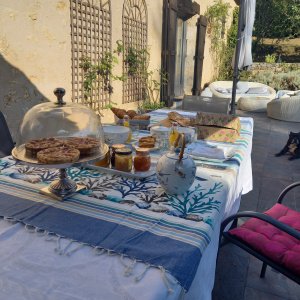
(91, 38)
(134, 29)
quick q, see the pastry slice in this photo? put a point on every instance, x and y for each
(58, 155)
(34, 146)
(86, 145)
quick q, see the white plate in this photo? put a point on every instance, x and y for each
(132, 174)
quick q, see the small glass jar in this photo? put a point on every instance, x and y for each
(104, 162)
(113, 150)
(123, 159)
(142, 160)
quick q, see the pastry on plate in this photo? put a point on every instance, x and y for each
(58, 155)
(34, 146)
(147, 142)
(86, 145)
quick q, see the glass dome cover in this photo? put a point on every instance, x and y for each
(60, 120)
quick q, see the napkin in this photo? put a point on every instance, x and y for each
(205, 150)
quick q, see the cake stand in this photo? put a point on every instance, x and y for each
(63, 187)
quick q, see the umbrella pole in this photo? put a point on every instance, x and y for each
(236, 58)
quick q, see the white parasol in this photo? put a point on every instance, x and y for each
(248, 16)
(243, 53)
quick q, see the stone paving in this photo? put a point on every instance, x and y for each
(237, 275)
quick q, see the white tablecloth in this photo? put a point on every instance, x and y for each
(31, 269)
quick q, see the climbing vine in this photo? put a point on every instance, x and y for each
(225, 69)
(217, 15)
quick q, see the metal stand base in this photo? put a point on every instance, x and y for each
(62, 188)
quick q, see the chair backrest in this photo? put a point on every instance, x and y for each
(206, 104)
(6, 141)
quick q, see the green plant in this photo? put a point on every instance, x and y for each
(152, 86)
(286, 80)
(102, 70)
(134, 60)
(225, 69)
(137, 61)
(216, 18)
(270, 58)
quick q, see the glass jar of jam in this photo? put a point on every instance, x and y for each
(142, 160)
(105, 161)
(123, 159)
(113, 150)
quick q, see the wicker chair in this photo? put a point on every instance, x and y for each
(273, 237)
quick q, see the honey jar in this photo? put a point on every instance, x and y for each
(123, 159)
(113, 150)
(142, 160)
(104, 162)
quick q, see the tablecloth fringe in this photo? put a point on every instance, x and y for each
(67, 250)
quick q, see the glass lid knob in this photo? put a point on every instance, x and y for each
(59, 93)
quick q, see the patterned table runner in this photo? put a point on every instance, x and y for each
(128, 216)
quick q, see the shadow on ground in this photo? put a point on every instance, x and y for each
(237, 275)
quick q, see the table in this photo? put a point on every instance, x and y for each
(31, 269)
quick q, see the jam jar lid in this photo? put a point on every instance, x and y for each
(123, 151)
(142, 151)
(117, 146)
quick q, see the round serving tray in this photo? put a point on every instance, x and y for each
(19, 153)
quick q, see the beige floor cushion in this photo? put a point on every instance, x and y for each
(285, 109)
(255, 104)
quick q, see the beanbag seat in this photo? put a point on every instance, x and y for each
(285, 109)
(253, 104)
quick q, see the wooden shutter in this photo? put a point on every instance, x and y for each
(199, 54)
(169, 49)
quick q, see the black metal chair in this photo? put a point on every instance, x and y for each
(244, 243)
(6, 141)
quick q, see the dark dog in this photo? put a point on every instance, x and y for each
(292, 146)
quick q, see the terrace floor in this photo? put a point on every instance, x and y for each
(237, 276)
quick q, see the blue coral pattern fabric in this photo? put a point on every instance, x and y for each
(124, 215)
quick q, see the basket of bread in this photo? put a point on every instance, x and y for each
(135, 119)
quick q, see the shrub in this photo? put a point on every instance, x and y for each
(270, 58)
(289, 80)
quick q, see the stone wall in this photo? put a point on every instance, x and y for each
(35, 52)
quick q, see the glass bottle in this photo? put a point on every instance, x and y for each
(173, 134)
(127, 124)
(123, 160)
(142, 160)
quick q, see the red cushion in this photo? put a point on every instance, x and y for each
(272, 242)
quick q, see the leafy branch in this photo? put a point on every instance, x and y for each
(216, 18)
(135, 187)
(195, 201)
